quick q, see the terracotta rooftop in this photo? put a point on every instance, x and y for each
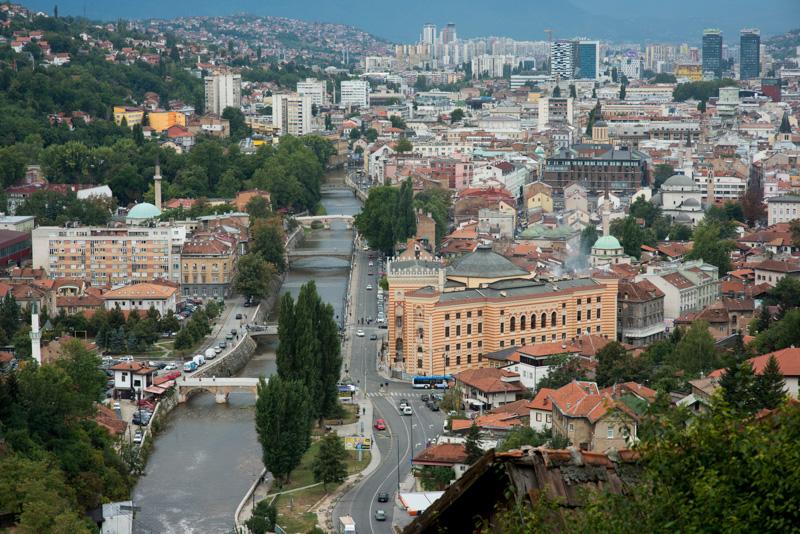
(490, 380)
(444, 453)
(146, 290)
(788, 360)
(138, 368)
(542, 400)
(678, 280)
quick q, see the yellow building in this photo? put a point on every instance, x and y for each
(164, 120)
(443, 320)
(692, 72)
(538, 196)
(132, 116)
(208, 265)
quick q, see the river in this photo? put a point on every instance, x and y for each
(207, 456)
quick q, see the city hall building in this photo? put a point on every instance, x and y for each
(445, 319)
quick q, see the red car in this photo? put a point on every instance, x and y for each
(380, 424)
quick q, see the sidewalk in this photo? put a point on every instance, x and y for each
(258, 493)
(400, 517)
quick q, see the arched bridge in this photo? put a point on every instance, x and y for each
(326, 220)
(340, 253)
(220, 387)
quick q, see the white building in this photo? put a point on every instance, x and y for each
(314, 88)
(725, 187)
(542, 410)
(690, 286)
(497, 223)
(631, 67)
(562, 59)
(491, 65)
(291, 113)
(681, 199)
(223, 90)
(142, 297)
(783, 209)
(354, 93)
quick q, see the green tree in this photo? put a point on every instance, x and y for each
(405, 221)
(589, 237)
(616, 365)
(253, 276)
(783, 333)
(695, 351)
(563, 370)
(371, 135)
(435, 478)
(235, 117)
(267, 241)
(329, 465)
(769, 387)
(523, 435)
(456, 115)
(631, 236)
(376, 220)
(82, 366)
(10, 314)
(258, 208)
(680, 232)
(785, 295)
(472, 445)
(711, 247)
(283, 424)
(403, 145)
(661, 173)
(284, 354)
(437, 202)
(738, 387)
(184, 339)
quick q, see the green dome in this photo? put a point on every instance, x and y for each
(607, 242)
(143, 211)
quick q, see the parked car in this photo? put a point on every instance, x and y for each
(380, 515)
(373, 337)
(170, 367)
(380, 424)
(137, 438)
(425, 398)
(223, 344)
(238, 316)
(116, 405)
(217, 350)
(369, 287)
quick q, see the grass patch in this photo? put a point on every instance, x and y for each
(303, 475)
(348, 414)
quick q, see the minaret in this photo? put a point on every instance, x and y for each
(36, 335)
(157, 186)
(710, 194)
(606, 212)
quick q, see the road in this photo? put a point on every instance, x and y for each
(408, 434)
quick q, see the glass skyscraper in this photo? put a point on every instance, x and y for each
(712, 52)
(749, 54)
(588, 60)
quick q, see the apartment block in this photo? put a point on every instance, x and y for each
(208, 264)
(223, 90)
(291, 113)
(316, 89)
(354, 93)
(109, 255)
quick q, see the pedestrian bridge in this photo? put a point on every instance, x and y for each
(326, 220)
(345, 254)
(220, 387)
(269, 329)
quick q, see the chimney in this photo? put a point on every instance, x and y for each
(157, 186)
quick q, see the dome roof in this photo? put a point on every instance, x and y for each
(679, 180)
(607, 242)
(682, 218)
(484, 263)
(145, 210)
(691, 202)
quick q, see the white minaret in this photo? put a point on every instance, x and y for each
(157, 187)
(36, 336)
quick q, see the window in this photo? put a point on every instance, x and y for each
(458, 360)
(544, 320)
(502, 344)
(480, 313)
(446, 331)
(469, 344)
(533, 321)
(578, 317)
(610, 434)
(598, 300)
(469, 358)
(458, 346)
(553, 319)
(447, 361)
(469, 314)
(480, 357)
(447, 348)
(512, 342)
(458, 330)
(572, 427)
(589, 300)
(588, 315)
(512, 324)
(419, 363)
(480, 328)
(446, 316)
(598, 328)
(598, 313)
(563, 320)
(538, 416)
(579, 302)
(469, 329)
(578, 331)
(548, 417)
(502, 327)
(458, 316)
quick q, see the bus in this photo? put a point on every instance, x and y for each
(432, 381)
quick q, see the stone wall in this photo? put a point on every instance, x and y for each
(232, 362)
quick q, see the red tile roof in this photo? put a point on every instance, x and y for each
(490, 380)
(788, 360)
(444, 453)
(542, 400)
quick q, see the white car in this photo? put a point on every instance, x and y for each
(137, 438)
(170, 367)
(116, 405)
(360, 333)
(370, 264)
(369, 287)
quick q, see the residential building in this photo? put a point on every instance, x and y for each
(445, 319)
(592, 420)
(784, 208)
(15, 247)
(771, 271)
(489, 387)
(532, 362)
(130, 115)
(620, 171)
(640, 313)
(541, 418)
(109, 255)
(131, 378)
(162, 120)
(222, 90)
(142, 297)
(712, 53)
(749, 54)
(17, 223)
(496, 223)
(452, 455)
(291, 114)
(690, 286)
(315, 89)
(555, 112)
(354, 93)
(208, 265)
(789, 363)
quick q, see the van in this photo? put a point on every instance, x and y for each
(199, 360)
(190, 367)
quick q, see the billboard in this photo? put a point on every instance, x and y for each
(354, 443)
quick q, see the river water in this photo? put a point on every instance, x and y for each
(208, 455)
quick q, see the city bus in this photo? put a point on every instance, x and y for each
(432, 381)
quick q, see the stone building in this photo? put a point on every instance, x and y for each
(640, 313)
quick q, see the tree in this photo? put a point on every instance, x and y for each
(631, 236)
(405, 221)
(184, 339)
(263, 518)
(589, 237)
(753, 203)
(680, 232)
(355, 134)
(10, 314)
(695, 351)
(283, 424)
(403, 145)
(258, 208)
(371, 135)
(398, 122)
(701, 106)
(563, 370)
(456, 115)
(622, 90)
(267, 241)
(435, 478)
(662, 172)
(376, 220)
(572, 92)
(329, 465)
(616, 365)
(783, 333)
(557, 92)
(437, 202)
(523, 435)
(769, 387)
(711, 247)
(785, 295)
(238, 126)
(284, 354)
(738, 387)
(253, 276)
(472, 445)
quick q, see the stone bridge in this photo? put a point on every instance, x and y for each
(219, 386)
(326, 220)
(269, 329)
(342, 254)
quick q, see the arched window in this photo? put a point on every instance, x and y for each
(553, 319)
(512, 324)
(544, 320)
(522, 322)
(533, 321)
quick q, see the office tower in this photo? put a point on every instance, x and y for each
(291, 113)
(314, 88)
(354, 93)
(223, 90)
(429, 34)
(712, 52)
(448, 34)
(588, 60)
(562, 59)
(749, 54)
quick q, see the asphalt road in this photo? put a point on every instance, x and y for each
(409, 434)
